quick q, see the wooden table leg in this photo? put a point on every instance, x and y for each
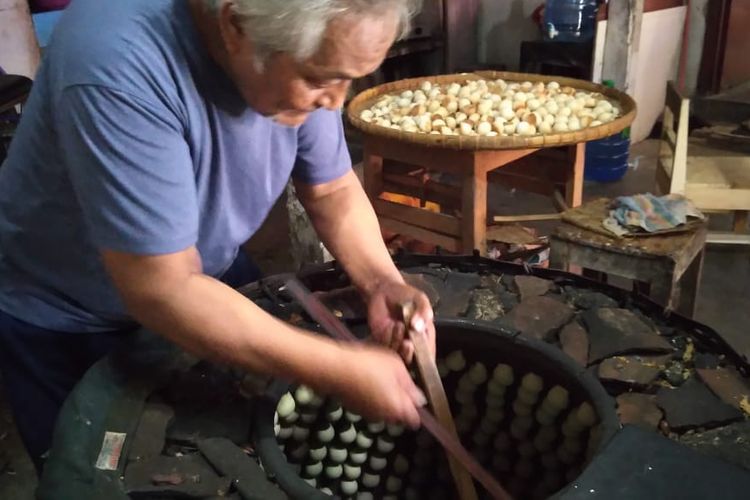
(740, 221)
(373, 174)
(666, 292)
(574, 184)
(690, 286)
(474, 212)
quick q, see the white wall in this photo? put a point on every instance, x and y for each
(503, 25)
(655, 63)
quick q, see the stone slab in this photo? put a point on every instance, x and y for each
(639, 409)
(693, 405)
(540, 317)
(574, 341)
(620, 331)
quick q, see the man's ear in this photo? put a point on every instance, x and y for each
(232, 32)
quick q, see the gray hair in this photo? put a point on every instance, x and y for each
(297, 26)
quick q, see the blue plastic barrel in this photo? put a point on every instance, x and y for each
(570, 20)
(607, 159)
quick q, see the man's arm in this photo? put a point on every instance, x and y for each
(170, 295)
(346, 222)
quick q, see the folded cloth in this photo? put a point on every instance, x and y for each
(648, 213)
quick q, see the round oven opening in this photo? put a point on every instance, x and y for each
(524, 409)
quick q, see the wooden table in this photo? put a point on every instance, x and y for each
(469, 231)
(667, 268)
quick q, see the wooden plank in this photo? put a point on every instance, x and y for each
(441, 223)
(662, 176)
(675, 138)
(525, 218)
(512, 234)
(574, 184)
(474, 213)
(690, 286)
(571, 254)
(488, 160)
(559, 201)
(443, 159)
(670, 138)
(373, 174)
(676, 247)
(438, 400)
(722, 238)
(674, 100)
(429, 188)
(523, 183)
(425, 235)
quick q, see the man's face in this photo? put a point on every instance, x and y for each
(288, 90)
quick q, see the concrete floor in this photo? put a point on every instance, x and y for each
(724, 301)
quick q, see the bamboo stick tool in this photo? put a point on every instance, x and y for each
(438, 400)
(465, 462)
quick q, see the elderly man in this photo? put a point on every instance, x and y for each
(158, 136)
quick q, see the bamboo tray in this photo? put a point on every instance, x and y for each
(367, 98)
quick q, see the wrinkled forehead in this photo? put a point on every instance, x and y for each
(354, 45)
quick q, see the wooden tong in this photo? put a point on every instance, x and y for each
(449, 441)
(438, 400)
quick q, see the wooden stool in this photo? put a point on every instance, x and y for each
(667, 268)
(470, 231)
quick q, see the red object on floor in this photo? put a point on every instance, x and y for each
(47, 5)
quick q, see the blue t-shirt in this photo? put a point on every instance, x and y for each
(134, 140)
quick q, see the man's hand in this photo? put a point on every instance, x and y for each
(378, 386)
(384, 308)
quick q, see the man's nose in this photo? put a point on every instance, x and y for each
(333, 97)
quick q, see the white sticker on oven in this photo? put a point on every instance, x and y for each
(109, 455)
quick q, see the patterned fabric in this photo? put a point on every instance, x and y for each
(648, 213)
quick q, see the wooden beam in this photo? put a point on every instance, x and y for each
(373, 174)
(489, 160)
(441, 223)
(574, 183)
(523, 183)
(721, 238)
(428, 188)
(474, 212)
(559, 201)
(453, 161)
(525, 218)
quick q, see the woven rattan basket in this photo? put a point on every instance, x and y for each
(367, 98)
